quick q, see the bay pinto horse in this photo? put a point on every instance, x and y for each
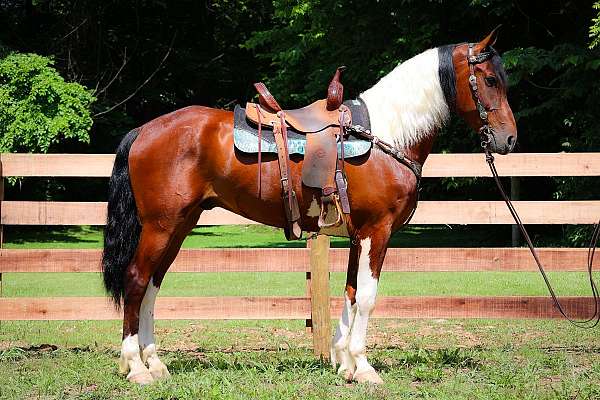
(171, 169)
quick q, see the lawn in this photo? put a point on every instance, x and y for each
(447, 359)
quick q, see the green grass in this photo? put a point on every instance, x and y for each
(88, 237)
(438, 359)
(293, 284)
(272, 360)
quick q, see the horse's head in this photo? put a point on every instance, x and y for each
(481, 87)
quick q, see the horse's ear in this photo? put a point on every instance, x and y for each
(489, 40)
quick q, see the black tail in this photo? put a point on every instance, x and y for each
(123, 228)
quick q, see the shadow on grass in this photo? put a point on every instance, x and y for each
(259, 361)
(439, 358)
(258, 236)
(204, 234)
(51, 234)
(282, 361)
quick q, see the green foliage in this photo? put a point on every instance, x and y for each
(37, 107)
(595, 28)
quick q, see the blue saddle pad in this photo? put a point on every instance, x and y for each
(245, 138)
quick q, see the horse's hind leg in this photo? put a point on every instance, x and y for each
(147, 343)
(151, 250)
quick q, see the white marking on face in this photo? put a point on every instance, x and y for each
(408, 104)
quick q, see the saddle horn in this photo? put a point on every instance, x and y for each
(335, 91)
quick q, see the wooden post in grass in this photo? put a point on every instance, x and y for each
(320, 314)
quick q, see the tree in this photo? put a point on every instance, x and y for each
(595, 28)
(37, 107)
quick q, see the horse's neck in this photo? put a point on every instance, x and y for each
(421, 150)
(407, 106)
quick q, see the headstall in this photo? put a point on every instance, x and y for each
(485, 132)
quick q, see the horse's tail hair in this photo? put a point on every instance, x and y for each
(123, 228)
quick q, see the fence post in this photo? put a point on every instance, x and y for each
(320, 312)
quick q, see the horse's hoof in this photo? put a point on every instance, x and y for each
(370, 377)
(346, 374)
(160, 372)
(141, 377)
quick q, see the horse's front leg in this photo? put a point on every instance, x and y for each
(372, 248)
(339, 346)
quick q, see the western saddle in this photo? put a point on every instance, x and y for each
(324, 123)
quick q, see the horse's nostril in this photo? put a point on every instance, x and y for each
(511, 141)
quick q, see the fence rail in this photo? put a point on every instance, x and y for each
(317, 306)
(437, 165)
(222, 308)
(297, 260)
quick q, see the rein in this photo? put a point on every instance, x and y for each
(486, 134)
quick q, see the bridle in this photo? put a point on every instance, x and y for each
(485, 133)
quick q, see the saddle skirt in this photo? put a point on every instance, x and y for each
(245, 134)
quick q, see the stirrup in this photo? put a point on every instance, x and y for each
(323, 214)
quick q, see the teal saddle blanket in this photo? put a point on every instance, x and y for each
(245, 134)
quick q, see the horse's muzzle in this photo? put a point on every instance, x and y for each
(502, 143)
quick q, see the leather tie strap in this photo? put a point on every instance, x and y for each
(292, 212)
(258, 112)
(287, 155)
(340, 175)
(266, 99)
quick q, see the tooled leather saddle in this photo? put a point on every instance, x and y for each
(323, 123)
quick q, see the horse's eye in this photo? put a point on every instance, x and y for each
(490, 81)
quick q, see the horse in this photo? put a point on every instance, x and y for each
(168, 171)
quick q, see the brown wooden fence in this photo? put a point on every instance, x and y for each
(301, 260)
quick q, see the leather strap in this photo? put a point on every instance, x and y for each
(292, 211)
(258, 113)
(340, 175)
(266, 99)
